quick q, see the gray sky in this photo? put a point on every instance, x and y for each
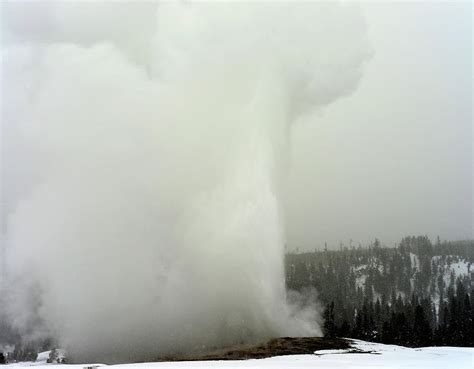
(395, 158)
(392, 159)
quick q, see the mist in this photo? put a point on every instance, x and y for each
(143, 167)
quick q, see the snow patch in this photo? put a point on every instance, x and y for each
(331, 352)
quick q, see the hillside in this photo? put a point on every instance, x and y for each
(416, 294)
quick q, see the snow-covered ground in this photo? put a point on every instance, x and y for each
(382, 356)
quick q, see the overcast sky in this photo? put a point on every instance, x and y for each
(395, 158)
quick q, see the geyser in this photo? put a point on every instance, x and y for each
(143, 162)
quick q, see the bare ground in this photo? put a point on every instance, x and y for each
(274, 347)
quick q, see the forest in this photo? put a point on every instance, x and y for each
(417, 294)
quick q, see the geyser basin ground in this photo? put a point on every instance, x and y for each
(345, 354)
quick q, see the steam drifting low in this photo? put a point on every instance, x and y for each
(144, 149)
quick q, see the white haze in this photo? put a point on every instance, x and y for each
(144, 149)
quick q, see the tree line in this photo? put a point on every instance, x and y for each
(417, 294)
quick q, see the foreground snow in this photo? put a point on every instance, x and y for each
(381, 356)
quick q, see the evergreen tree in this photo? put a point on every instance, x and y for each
(421, 328)
(329, 323)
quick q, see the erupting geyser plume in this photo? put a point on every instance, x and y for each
(144, 147)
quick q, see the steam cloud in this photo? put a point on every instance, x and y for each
(144, 149)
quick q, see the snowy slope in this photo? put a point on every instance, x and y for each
(383, 357)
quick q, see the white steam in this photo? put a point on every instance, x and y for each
(143, 150)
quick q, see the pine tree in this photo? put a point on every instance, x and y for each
(421, 328)
(329, 323)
